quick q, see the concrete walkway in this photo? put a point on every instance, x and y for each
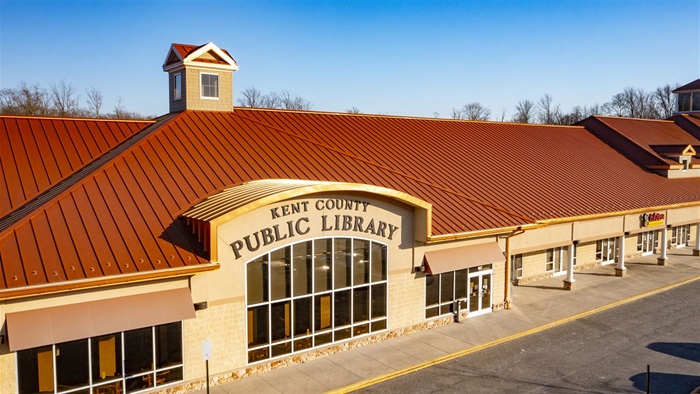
(536, 307)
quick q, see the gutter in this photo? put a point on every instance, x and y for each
(483, 233)
(618, 213)
(507, 300)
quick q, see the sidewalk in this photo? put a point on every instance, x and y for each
(536, 306)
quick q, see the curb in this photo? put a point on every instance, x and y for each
(451, 356)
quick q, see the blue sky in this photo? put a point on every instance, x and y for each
(397, 57)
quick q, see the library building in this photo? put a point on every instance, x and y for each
(272, 237)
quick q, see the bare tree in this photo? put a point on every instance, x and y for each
(634, 103)
(665, 101)
(353, 110)
(121, 113)
(25, 100)
(64, 99)
(289, 100)
(476, 111)
(271, 100)
(436, 114)
(456, 114)
(94, 101)
(251, 97)
(547, 112)
(524, 112)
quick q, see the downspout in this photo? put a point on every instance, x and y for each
(507, 301)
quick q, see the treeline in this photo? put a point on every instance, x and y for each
(252, 97)
(60, 99)
(630, 103)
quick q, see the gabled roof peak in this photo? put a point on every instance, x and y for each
(207, 55)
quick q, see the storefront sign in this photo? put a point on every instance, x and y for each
(651, 219)
(351, 216)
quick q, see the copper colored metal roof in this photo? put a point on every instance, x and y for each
(645, 141)
(689, 123)
(122, 219)
(37, 153)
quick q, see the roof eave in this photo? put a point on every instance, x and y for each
(85, 284)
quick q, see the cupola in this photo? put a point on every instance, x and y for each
(688, 98)
(200, 77)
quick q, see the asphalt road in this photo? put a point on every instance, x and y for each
(607, 352)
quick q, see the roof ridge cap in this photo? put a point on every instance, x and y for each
(406, 175)
(48, 117)
(409, 117)
(24, 212)
(631, 118)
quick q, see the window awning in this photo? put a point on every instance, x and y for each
(454, 259)
(46, 326)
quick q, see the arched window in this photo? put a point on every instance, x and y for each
(314, 293)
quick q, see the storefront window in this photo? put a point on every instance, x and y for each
(446, 291)
(606, 250)
(96, 364)
(680, 236)
(348, 299)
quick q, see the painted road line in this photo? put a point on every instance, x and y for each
(452, 356)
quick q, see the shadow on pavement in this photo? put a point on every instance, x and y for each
(669, 383)
(687, 350)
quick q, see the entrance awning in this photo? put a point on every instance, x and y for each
(39, 327)
(454, 259)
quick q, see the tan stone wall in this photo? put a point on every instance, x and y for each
(406, 304)
(225, 326)
(8, 370)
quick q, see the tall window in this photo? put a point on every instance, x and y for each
(647, 242)
(517, 262)
(177, 86)
(115, 363)
(210, 85)
(684, 100)
(606, 250)
(680, 235)
(555, 258)
(314, 293)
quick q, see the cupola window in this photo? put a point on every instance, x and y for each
(210, 85)
(177, 87)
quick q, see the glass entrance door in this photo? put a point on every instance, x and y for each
(645, 242)
(480, 292)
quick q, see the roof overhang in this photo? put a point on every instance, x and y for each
(205, 217)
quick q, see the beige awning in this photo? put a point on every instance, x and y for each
(454, 259)
(39, 327)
